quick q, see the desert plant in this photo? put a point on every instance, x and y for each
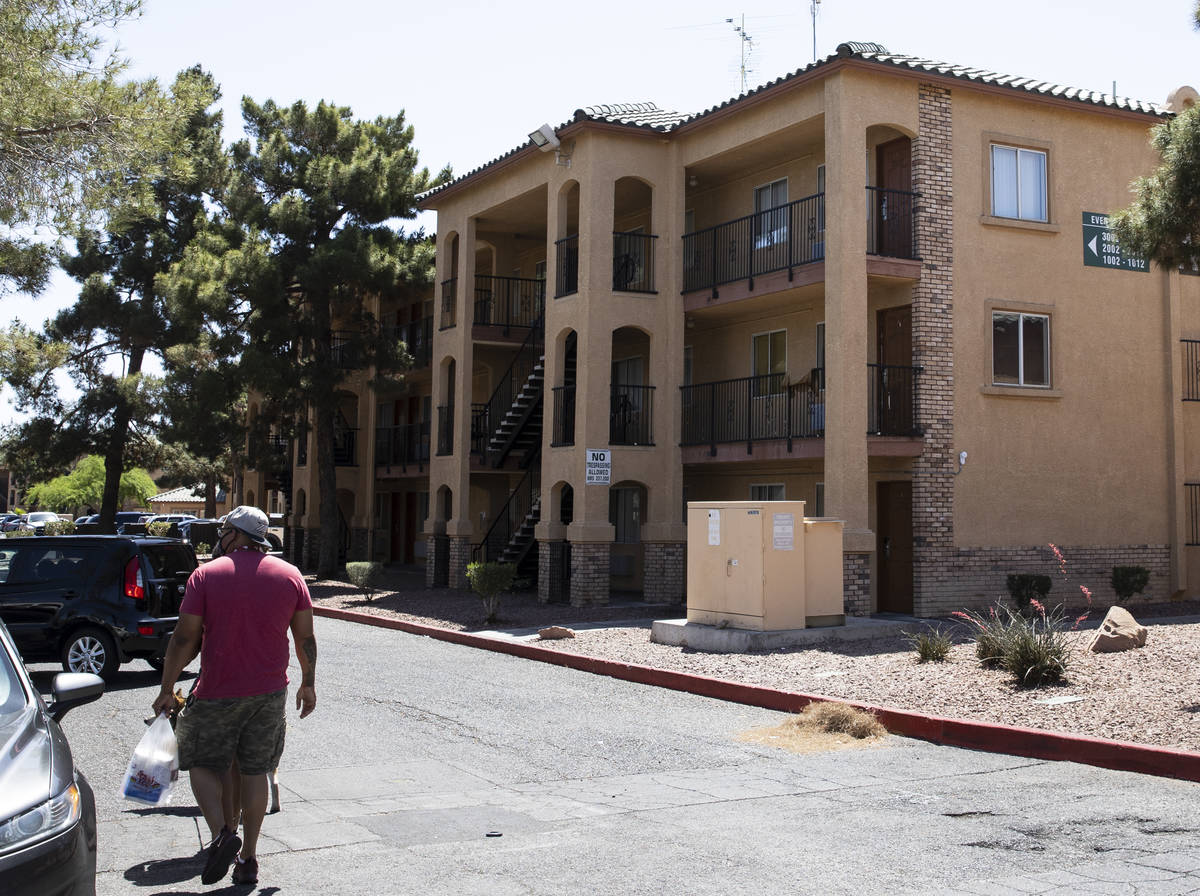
(160, 530)
(364, 576)
(59, 527)
(203, 548)
(1032, 647)
(1128, 581)
(489, 581)
(932, 645)
(838, 718)
(1024, 588)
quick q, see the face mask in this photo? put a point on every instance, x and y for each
(218, 549)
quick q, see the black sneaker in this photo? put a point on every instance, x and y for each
(220, 853)
(245, 872)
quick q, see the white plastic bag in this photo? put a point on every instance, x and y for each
(154, 766)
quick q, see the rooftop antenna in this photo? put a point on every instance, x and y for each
(813, 6)
(747, 46)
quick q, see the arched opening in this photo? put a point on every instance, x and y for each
(627, 508)
(631, 405)
(449, 285)
(633, 242)
(345, 430)
(564, 392)
(301, 506)
(566, 243)
(445, 410)
(345, 506)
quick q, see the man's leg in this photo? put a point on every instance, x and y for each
(255, 789)
(206, 785)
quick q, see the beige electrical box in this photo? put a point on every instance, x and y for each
(761, 565)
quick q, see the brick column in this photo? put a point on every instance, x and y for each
(293, 543)
(311, 548)
(856, 584)
(933, 346)
(589, 573)
(459, 557)
(437, 562)
(359, 538)
(554, 571)
(665, 567)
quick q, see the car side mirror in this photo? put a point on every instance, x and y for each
(73, 689)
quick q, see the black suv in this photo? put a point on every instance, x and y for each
(93, 601)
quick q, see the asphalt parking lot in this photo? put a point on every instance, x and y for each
(436, 768)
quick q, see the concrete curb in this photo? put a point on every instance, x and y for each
(1030, 742)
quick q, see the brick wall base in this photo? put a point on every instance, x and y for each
(856, 584)
(311, 550)
(359, 539)
(589, 573)
(460, 556)
(437, 562)
(976, 578)
(665, 567)
(554, 572)
(293, 542)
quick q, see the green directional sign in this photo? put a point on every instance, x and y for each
(1101, 249)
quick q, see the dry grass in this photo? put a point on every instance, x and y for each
(820, 727)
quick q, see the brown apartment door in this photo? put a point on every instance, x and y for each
(894, 546)
(894, 386)
(892, 207)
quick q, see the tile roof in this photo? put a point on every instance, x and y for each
(177, 495)
(649, 116)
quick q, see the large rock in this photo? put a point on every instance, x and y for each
(555, 632)
(1119, 631)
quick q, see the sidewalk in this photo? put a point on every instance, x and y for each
(976, 735)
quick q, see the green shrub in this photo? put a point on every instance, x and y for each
(203, 548)
(160, 529)
(932, 645)
(59, 527)
(1024, 588)
(1128, 581)
(1032, 647)
(364, 576)
(489, 581)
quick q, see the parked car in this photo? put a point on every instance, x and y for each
(132, 522)
(93, 602)
(36, 521)
(48, 831)
(199, 531)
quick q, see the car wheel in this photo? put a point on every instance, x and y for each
(156, 663)
(90, 650)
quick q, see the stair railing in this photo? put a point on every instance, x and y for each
(510, 385)
(521, 502)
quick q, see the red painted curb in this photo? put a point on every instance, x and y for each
(985, 736)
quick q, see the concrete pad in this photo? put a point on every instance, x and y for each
(681, 633)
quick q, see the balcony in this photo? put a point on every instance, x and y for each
(345, 446)
(761, 409)
(563, 432)
(567, 255)
(633, 262)
(631, 415)
(417, 337)
(405, 446)
(343, 351)
(508, 302)
(892, 223)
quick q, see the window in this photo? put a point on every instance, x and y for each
(624, 512)
(769, 352)
(770, 214)
(539, 270)
(1018, 183)
(1020, 349)
(766, 491)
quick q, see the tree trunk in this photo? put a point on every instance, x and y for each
(329, 514)
(114, 455)
(210, 496)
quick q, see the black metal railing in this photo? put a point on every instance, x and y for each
(751, 409)
(1191, 369)
(563, 431)
(523, 504)
(445, 429)
(508, 301)
(892, 407)
(345, 446)
(631, 415)
(417, 337)
(892, 222)
(343, 351)
(633, 262)
(524, 363)
(1192, 497)
(449, 318)
(776, 239)
(481, 432)
(567, 279)
(403, 445)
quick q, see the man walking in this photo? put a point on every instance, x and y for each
(236, 613)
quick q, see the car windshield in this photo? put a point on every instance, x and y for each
(12, 696)
(39, 516)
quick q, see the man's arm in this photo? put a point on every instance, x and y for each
(181, 650)
(306, 653)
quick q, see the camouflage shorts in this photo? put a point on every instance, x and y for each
(212, 732)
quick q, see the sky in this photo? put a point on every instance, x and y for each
(474, 78)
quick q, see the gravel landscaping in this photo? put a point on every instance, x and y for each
(1149, 695)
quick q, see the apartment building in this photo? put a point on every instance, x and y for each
(381, 451)
(881, 285)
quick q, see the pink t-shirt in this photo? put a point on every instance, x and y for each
(247, 600)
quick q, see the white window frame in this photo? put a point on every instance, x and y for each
(1021, 378)
(770, 228)
(1041, 215)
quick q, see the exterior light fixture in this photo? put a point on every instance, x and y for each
(962, 462)
(544, 138)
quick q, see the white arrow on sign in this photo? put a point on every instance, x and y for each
(1092, 245)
